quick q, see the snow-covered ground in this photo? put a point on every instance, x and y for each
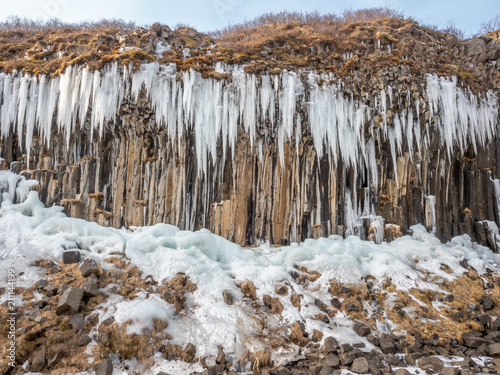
(29, 231)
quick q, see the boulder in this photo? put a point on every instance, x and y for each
(90, 286)
(71, 256)
(282, 370)
(362, 329)
(70, 301)
(326, 370)
(330, 345)
(430, 363)
(475, 47)
(228, 297)
(494, 350)
(488, 303)
(105, 367)
(360, 365)
(472, 340)
(332, 360)
(387, 346)
(38, 363)
(221, 357)
(89, 267)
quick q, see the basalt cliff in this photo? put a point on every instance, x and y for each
(278, 133)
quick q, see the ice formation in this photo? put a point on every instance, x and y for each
(281, 105)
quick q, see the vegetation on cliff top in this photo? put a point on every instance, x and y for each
(375, 38)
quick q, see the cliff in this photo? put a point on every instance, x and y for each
(279, 133)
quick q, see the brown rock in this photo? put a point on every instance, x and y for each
(282, 290)
(430, 363)
(105, 367)
(89, 267)
(38, 363)
(360, 365)
(70, 301)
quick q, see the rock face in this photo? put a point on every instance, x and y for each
(253, 157)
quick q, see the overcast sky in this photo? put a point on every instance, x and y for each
(206, 15)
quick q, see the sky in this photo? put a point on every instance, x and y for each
(208, 15)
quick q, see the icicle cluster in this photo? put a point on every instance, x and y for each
(277, 106)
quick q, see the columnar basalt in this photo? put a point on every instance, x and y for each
(279, 157)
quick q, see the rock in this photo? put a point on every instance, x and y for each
(323, 317)
(84, 340)
(77, 321)
(70, 301)
(40, 284)
(332, 360)
(351, 307)
(326, 370)
(430, 363)
(347, 359)
(402, 371)
(362, 329)
(282, 370)
(228, 297)
(475, 47)
(488, 303)
(472, 340)
(105, 339)
(54, 269)
(360, 365)
(346, 348)
(449, 298)
(38, 363)
(221, 357)
(62, 288)
(484, 319)
(494, 350)
(282, 290)
(71, 256)
(104, 367)
(4, 165)
(330, 345)
(336, 303)
(90, 286)
(450, 371)
(387, 346)
(496, 325)
(209, 371)
(50, 289)
(312, 355)
(89, 267)
(373, 339)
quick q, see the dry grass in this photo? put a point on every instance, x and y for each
(268, 44)
(15, 24)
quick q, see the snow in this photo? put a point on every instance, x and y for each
(29, 231)
(141, 312)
